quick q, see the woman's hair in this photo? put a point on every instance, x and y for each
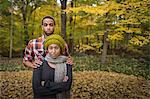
(48, 17)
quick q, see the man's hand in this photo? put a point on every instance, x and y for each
(65, 79)
(36, 63)
(69, 60)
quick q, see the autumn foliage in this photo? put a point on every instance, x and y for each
(87, 84)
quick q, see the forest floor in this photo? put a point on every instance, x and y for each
(86, 84)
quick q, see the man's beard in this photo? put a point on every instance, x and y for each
(48, 34)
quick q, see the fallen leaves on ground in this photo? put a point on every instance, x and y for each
(86, 84)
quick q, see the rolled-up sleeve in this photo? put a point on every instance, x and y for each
(28, 52)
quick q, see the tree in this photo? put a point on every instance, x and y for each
(22, 23)
(11, 32)
(125, 18)
(26, 7)
(70, 41)
(63, 18)
(5, 23)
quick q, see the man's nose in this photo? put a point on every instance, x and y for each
(48, 26)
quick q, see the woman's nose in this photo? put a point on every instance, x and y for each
(53, 50)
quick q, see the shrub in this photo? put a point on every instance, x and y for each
(14, 64)
(117, 64)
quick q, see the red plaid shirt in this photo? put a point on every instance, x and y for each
(35, 49)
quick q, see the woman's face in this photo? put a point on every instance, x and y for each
(54, 50)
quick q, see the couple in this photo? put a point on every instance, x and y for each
(52, 73)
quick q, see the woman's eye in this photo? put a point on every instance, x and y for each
(56, 47)
(50, 48)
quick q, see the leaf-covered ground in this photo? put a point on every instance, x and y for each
(86, 85)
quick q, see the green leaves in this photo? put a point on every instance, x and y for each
(4, 4)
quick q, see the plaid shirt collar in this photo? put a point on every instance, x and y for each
(43, 38)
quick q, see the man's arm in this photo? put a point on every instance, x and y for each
(69, 59)
(29, 64)
(28, 58)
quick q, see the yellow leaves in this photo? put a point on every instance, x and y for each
(89, 36)
(77, 18)
(126, 29)
(130, 21)
(91, 44)
(130, 30)
(44, 10)
(87, 9)
(94, 47)
(112, 6)
(121, 28)
(98, 10)
(16, 85)
(139, 41)
(135, 30)
(97, 45)
(100, 84)
(95, 10)
(117, 37)
(101, 33)
(94, 84)
(90, 22)
(84, 47)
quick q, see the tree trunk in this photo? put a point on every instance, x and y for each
(33, 24)
(105, 47)
(63, 24)
(63, 18)
(11, 32)
(70, 43)
(25, 25)
(105, 44)
(26, 32)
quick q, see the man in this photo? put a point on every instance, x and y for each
(34, 51)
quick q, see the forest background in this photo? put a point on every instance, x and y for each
(109, 41)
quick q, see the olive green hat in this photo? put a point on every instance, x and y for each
(55, 39)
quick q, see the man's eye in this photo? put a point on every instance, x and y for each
(45, 24)
(50, 24)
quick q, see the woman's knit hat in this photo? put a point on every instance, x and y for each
(55, 39)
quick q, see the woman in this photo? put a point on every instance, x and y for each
(53, 79)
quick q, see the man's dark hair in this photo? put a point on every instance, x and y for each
(49, 17)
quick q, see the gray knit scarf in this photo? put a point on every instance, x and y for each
(60, 71)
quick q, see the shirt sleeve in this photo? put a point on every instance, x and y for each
(28, 52)
(49, 87)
